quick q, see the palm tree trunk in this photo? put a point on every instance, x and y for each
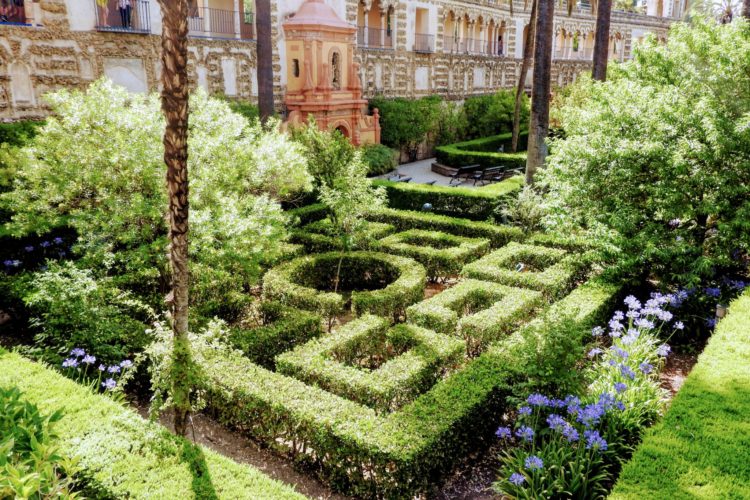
(265, 59)
(540, 89)
(746, 9)
(601, 41)
(174, 102)
(528, 48)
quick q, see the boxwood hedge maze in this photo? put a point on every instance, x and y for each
(401, 387)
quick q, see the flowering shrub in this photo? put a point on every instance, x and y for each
(572, 446)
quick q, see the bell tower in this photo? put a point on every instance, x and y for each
(322, 77)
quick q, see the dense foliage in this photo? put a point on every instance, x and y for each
(656, 160)
(379, 159)
(97, 167)
(405, 123)
(493, 114)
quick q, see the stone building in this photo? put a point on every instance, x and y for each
(408, 48)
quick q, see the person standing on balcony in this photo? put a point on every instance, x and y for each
(125, 9)
(103, 9)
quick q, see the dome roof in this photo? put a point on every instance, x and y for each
(316, 13)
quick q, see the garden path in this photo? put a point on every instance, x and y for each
(420, 173)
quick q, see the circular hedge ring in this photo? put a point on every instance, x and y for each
(379, 283)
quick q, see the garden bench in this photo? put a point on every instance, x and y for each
(478, 175)
(463, 172)
(494, 174)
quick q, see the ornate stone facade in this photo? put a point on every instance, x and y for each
(405, 48)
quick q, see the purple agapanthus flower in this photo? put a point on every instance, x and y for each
(503, 432)
(644, 323)
(622, 353)
(632, 302)
(570, 433)
(679, 325)
(621, 387)
(713, 292)
(525, 410)
(57, 241)
(645, 367)
(663, 350)
(618, 316)
(70, 363)
(77, 352)
(627, 372)
(126, 363)
(533, 462)
(516, 479)
(591, 414)
(711, 322)
(594, 440)
(526, 433)
(597, 331)
(674, 223)
(594, 352)
(45, 244)
(28, 248)
(89, 359)
(109, 384)
(537, 400)
(556, 422)
(113, 369)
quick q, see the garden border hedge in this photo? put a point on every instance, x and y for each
(316, 236)
(469, 203)
(394, 456)
(554, 281)
(279, 284)
(394, 383)
(407, 219)
(699, 449)
(124, 456)
(439, 262)
(458, 154)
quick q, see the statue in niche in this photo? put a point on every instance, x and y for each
(336, 71)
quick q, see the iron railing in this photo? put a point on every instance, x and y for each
(454, 45)
(573, 55)
(424, 42)
(132, 17)
(374, 38)
(217, 23)
(14, 12)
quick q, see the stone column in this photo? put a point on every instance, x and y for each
(237, 19)
(366, 36)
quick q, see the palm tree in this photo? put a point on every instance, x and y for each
(746, 9)
(540, 89)
(174, 103)
(264, 58)
(528, 48)
(601, 42)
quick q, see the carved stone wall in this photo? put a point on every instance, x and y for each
(49, 55)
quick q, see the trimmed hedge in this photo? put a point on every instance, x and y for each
(700, 448)
(318, 236)
(552, 271)
(385, 456)
(125, 456)
(441, 253)
(483, 152)
(479, 311)
(406, 219)
(400, 282)
(308, 213)
(283, 329)
(368, 362)
(470, 203)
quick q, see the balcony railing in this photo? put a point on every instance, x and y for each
(15, 14)
(374, 38)
(217, 23)
(471, 46)
(574, 55)
(424, 42)
(133, 17)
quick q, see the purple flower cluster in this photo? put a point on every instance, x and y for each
(79, 357)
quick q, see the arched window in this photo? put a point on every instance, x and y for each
(336, 71)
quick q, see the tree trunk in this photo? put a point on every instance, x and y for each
(746, 9)
(174, 103)
(265, 59)
(528, 48)
(601, 41)
(540, 89)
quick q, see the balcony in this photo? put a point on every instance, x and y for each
(133, 18)
(15, 15)
(472, 46)
(568, 54)
(374, 38)
(424, 43)
(204, 22)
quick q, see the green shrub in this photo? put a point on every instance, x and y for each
(550, 270)
(451, 124)
(441, 253)
(470, 203)
(32, 464)
(484, 152)
(123, 456)
(379, 283)
(386, 456)
(493, 114)
(282, 328)
(368, 362)
(479, 311)
(407, 219)
(19, 133)
(699, 449)
(405, 123)
(308, 213)
(71, 308)
(320, 236)
(379, 159)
